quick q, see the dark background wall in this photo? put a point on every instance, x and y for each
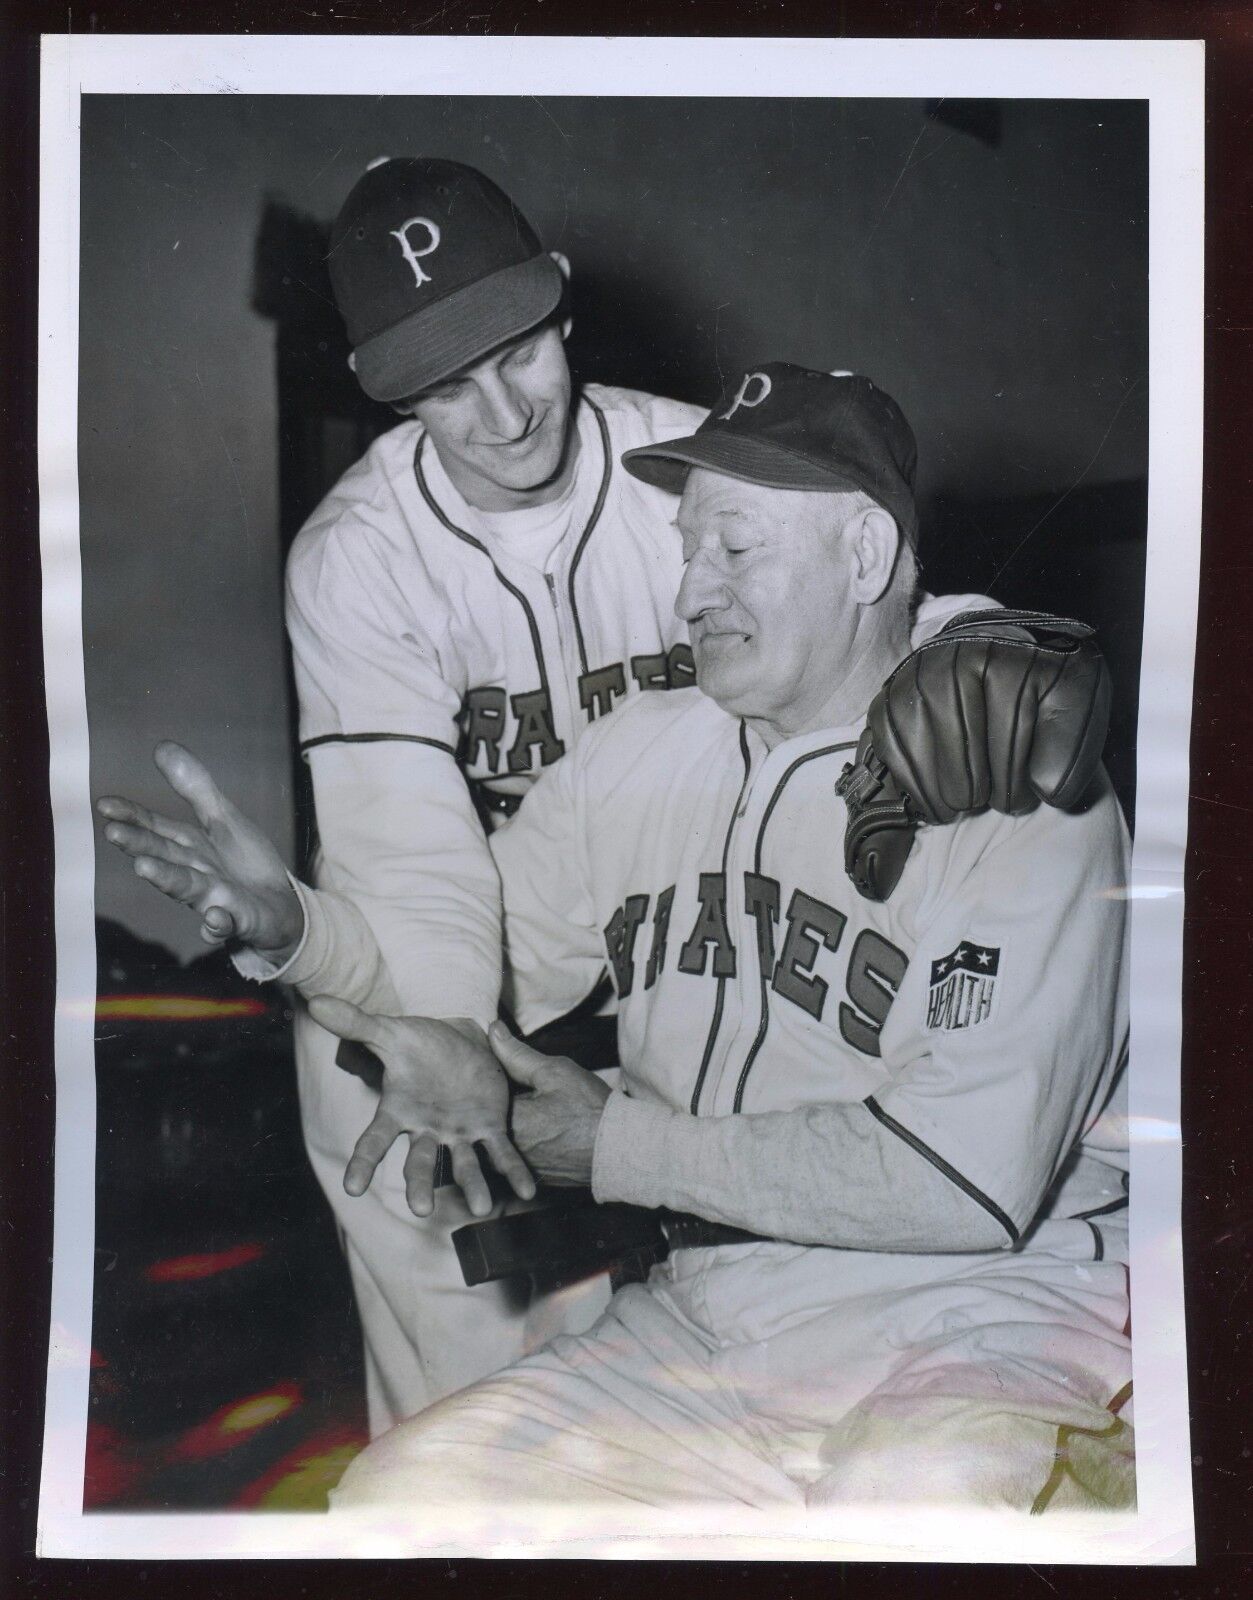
(985, 262)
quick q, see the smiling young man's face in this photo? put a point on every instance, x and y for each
(502, 427)
(766, 595)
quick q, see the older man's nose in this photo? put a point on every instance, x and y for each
(701, 589)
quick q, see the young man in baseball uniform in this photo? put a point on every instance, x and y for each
(484, 585)
(899, 1270)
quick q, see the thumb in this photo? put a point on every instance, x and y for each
(192, 780)
(348, 1021)
(523, 1064)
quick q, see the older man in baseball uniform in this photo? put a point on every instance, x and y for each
(897, 1272)
(483, 586)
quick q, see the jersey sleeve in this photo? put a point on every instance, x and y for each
(554, 951)
(400, 839)
(1010, 1022)
(367, 664)
(399, 835)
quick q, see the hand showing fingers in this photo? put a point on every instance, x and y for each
(510, 1165)
(217, 926)
(192, 781)
(468, 1176)
(369, 1150)
(420, 1174)
(524, 1065)
(135, 840)
(441, 1086)
(224, 868)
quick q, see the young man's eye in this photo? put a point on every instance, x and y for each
(524, 354)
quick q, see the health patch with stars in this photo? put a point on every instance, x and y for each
(963, 986)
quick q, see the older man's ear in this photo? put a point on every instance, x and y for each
(875, 540)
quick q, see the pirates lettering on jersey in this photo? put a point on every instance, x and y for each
(484, 710)
(483, 725)
(762, 896)
(484, 721)
(620, 933)
(805, 918)
(875, 970)
(711, 929)
(963, 987)
(598, 690)
(601, 689)
(661, 927)
(534, 712)
(872, 977)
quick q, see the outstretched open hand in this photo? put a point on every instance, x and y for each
(441, 1086)
(223, 867)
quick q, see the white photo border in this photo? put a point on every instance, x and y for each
(1169, 75)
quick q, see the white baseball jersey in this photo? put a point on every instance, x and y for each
(431, 642)
(434, 642)
(916, 1083)
(974, 1021)
(428, 635)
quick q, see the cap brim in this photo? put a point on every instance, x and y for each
(666, 466)
(459, 330)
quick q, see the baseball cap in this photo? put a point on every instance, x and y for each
(788, 427)
(433, 266)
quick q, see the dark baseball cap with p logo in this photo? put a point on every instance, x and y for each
(432, 267)
(788, 427)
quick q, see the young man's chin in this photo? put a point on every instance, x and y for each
(529, 476)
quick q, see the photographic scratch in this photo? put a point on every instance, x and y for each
(550, 117)
(1208, 800)
(908, 162)
(308, 287)
(239, 488)
(324, 166)
(717, 362)
(1132, 388)
(184, 159)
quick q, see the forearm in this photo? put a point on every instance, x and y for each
(401, 845)
(827, 1175)
(554, 947)
(337, 955)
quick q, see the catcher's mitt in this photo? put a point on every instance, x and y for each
(1001, 709)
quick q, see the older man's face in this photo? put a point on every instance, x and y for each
(765, 593)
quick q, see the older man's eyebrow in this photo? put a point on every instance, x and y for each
(737, 514)
(730, 514)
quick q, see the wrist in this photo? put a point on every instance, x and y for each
(286, 937)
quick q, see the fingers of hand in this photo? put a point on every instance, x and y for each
(192, 780)
(510, 1165)
(187, 851)
(346, 1020)
(184, 884)
(470, 1180)
(217, 925)
(115, 809)
(368, 1151)
(420, 1174)
(521, 1062)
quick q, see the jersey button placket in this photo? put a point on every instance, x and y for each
(736, 1030)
